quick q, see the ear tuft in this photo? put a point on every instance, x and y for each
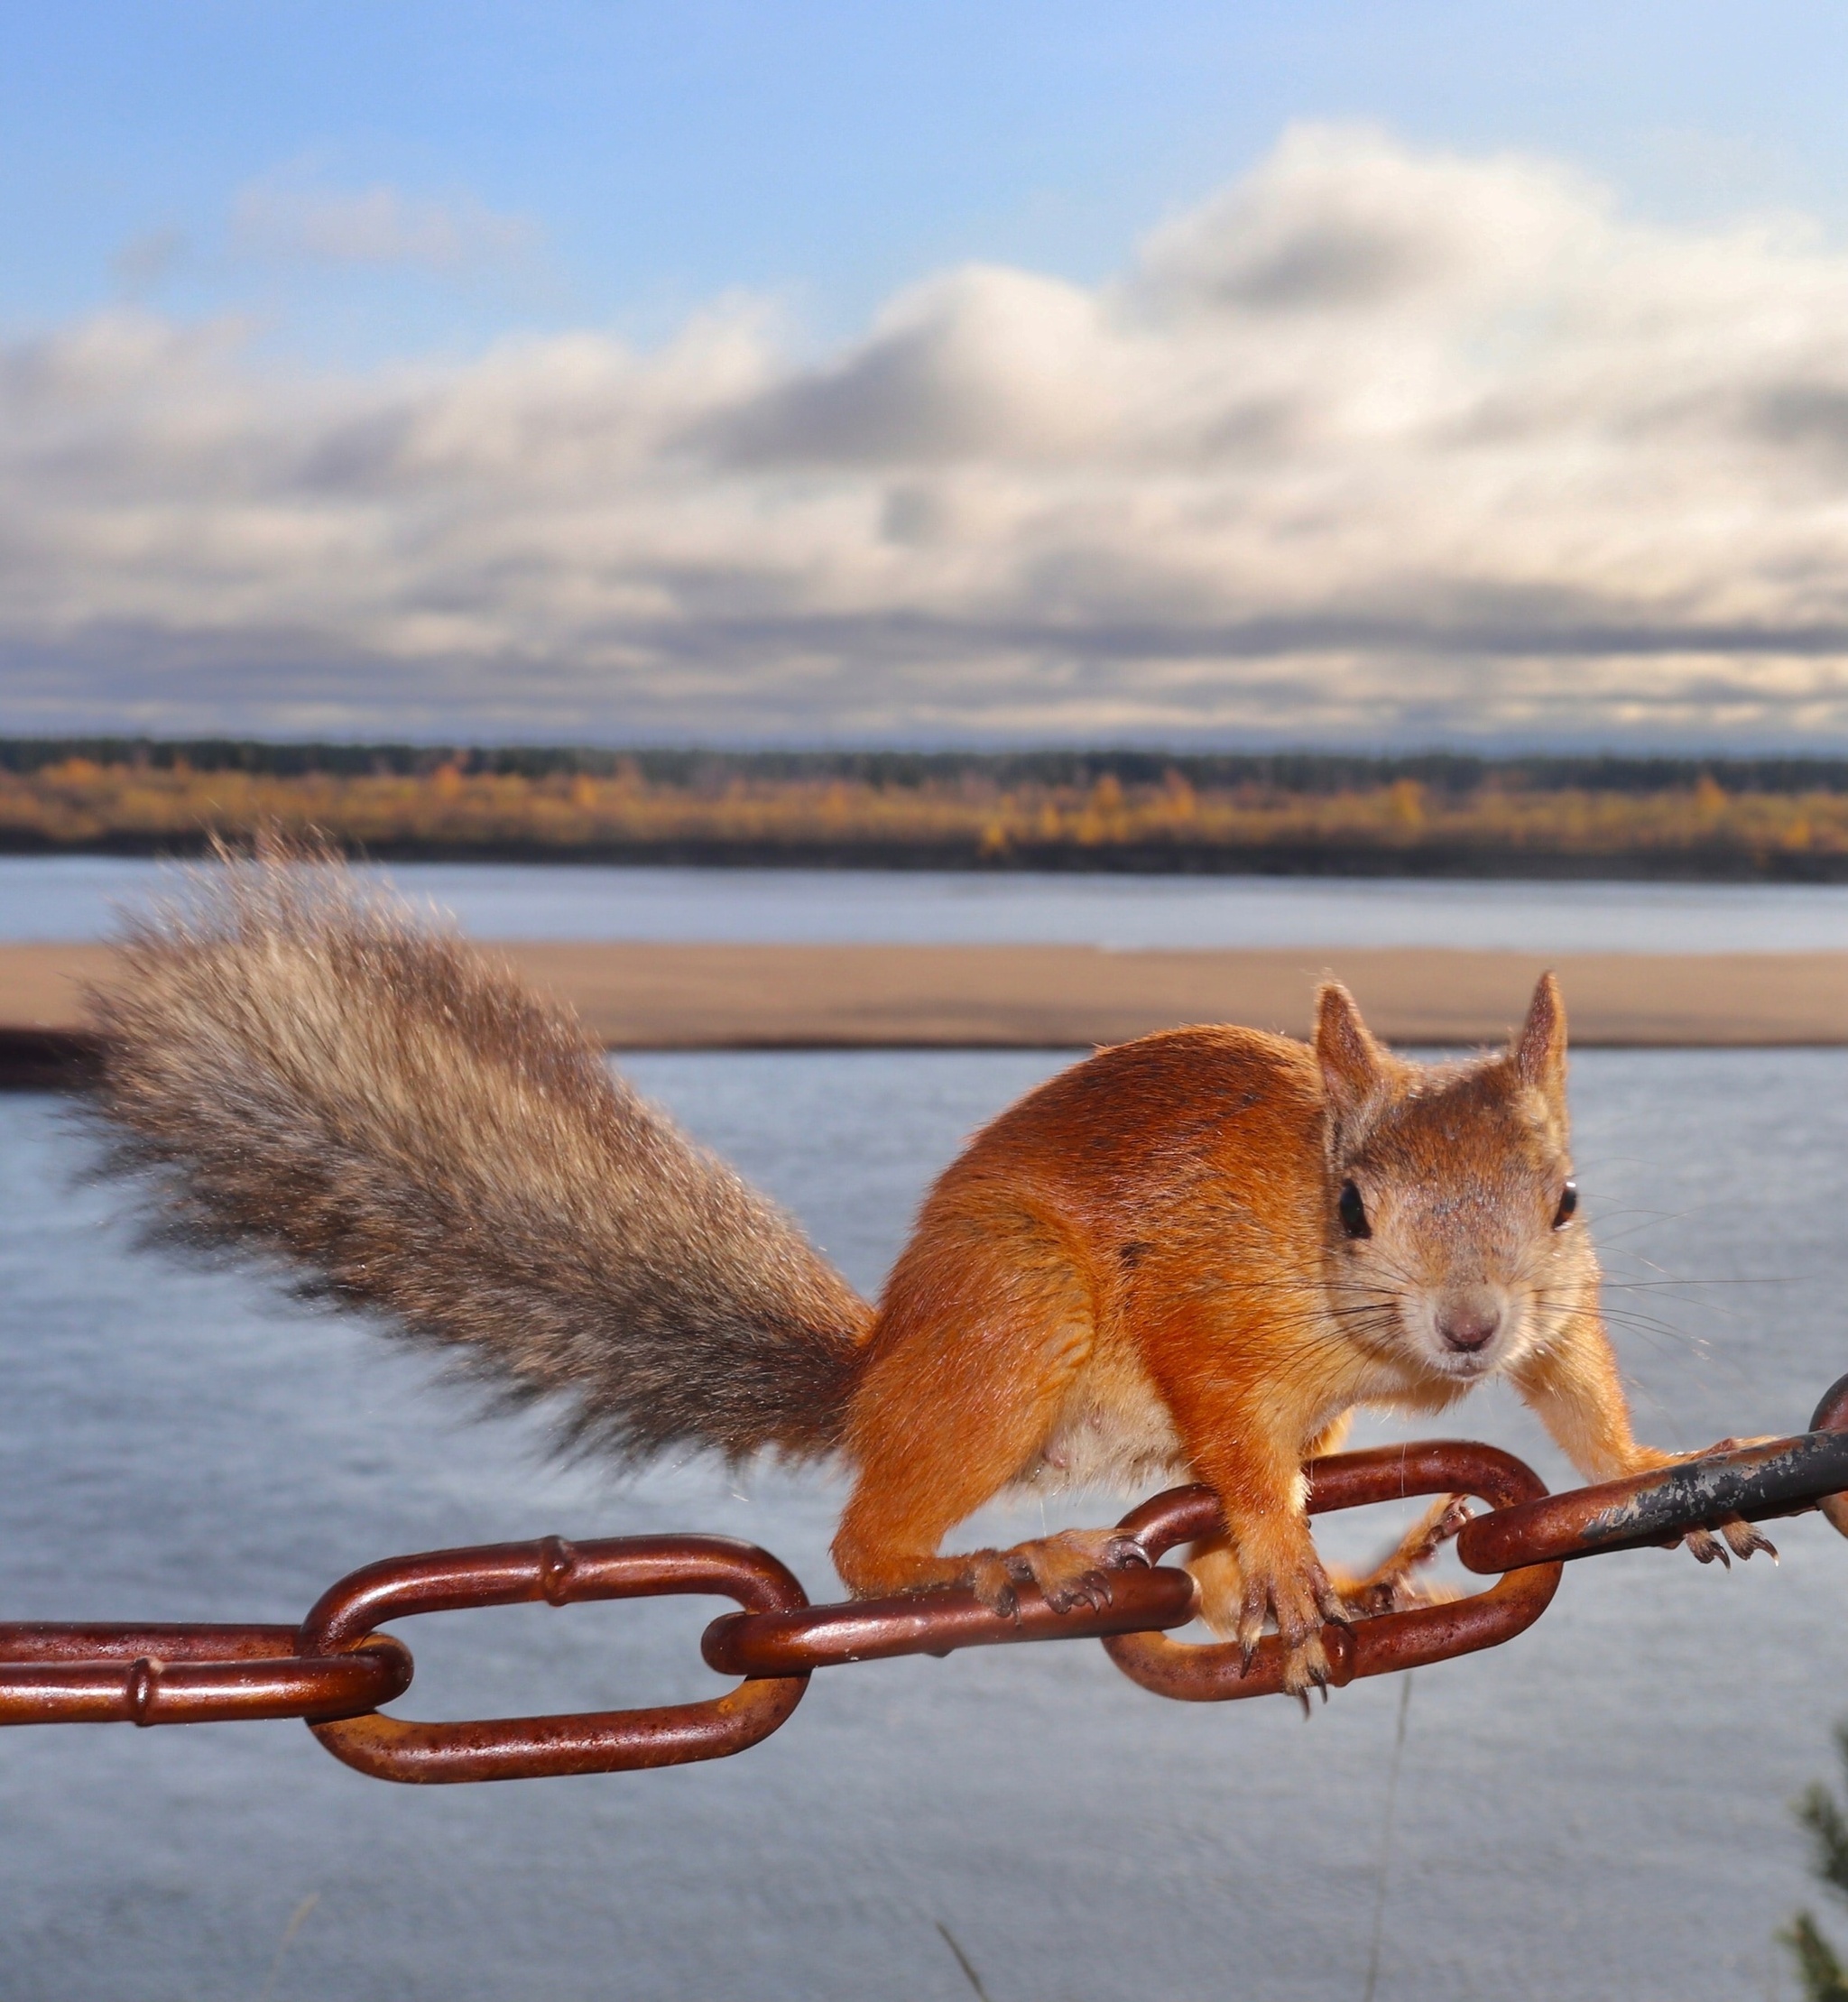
(1539, 1051)
(1353, 1065)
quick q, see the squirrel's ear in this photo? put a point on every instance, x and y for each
(1538, 1051)
(1351, 1060)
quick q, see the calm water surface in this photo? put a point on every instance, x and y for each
(67, 896)
(1598, 1810)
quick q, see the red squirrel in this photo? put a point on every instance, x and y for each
(1192, 1255)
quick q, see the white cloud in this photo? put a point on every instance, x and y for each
(1375, 443)
(286, 216)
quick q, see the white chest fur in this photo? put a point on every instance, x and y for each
(1114, 1431)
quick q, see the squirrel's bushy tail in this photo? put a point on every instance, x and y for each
(297, 1068)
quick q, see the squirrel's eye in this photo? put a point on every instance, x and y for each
(1352, 1212)
(1568, 1203)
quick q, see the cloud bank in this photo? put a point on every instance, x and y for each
(1375, 445)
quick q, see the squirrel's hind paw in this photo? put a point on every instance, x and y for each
(1392, 1587)
(1071, 1569)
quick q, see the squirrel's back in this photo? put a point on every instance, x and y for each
(1210, 1132)
(1159, 1111)
(297, 1067)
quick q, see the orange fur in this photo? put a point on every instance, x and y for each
(1145, 1253)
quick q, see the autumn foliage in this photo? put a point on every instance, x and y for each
(948, 812)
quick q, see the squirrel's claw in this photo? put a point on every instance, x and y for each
(1331, 1605)
(1745, 1537)
(1305, 1667)
(1253, 1610)
(1112, 1551)
(1089, 1588)
(1735, 1534)
(1070, 1569)
(993, 1576)
(1298, 1605)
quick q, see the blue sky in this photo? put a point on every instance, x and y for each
(658, 155)
(818, 370)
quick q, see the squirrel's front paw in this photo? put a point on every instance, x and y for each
(1298, 1599)
(1734, 1533)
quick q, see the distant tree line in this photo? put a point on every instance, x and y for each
(1447, 775)
(1273, 813)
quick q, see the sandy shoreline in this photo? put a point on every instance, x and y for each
(652, 996)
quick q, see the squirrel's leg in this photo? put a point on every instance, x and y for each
(1392, 1585)
(1256, 1470)
(1280, 1575)
(972, 1357)
(1574, 1387)
(1214, 1563)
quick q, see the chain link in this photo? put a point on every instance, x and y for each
(336, 1669)
(1216, 1672)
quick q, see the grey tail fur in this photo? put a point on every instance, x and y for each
(297, 1069)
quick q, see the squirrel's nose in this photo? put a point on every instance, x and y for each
(1468, 1325)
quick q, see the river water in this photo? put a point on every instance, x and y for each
(70, 897)
(1599, 1809)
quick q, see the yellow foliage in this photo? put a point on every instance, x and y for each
(78, 802)
(1408, 802)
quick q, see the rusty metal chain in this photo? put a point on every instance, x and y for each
(336, 1669)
